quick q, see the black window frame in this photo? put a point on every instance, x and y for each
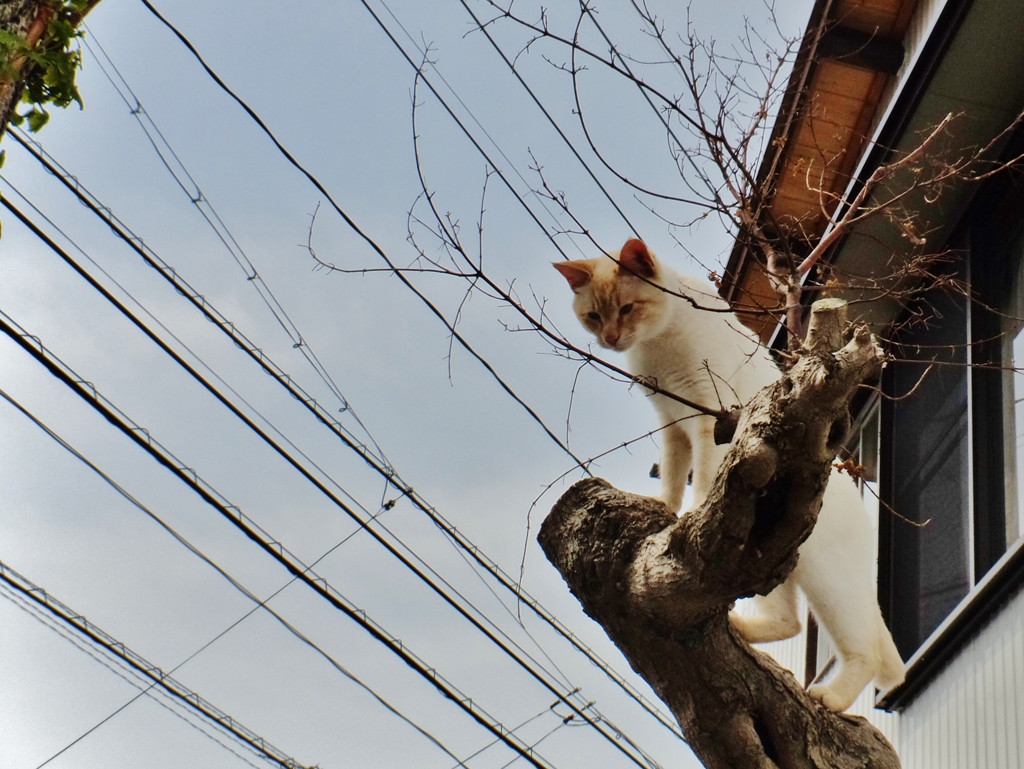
(991, 229)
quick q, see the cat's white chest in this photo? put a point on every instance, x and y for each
(672, 369)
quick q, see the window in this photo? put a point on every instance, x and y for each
(952, 436)
(927, 481)
(1012, 376)
(943, 450)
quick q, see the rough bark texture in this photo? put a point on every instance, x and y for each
(661, 586)
(28, 20)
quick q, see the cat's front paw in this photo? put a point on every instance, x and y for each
(831, 699)
(673, 505)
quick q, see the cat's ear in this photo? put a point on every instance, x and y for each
(635, 257)
(578, 273)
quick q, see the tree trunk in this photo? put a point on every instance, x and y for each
(28, 20)
(661, 586)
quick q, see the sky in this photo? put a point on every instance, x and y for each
(180, 153)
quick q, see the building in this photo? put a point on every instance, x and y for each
(944, 464)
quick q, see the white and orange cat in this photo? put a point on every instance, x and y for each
(708, 357)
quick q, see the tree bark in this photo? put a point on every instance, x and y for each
(661, 586)
(28, 20)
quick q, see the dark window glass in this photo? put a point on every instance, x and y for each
(952, 452)
(929, 563)
(993, 420)
(998, 268)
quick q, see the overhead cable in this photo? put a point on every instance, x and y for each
(183, 177)
(276, 549)
(230, 329)
(544, 111)
(119, 650)
(122, 671)
(260, 603)
(451, 327)
(526, 664)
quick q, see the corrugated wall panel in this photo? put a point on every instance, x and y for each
(972, 715)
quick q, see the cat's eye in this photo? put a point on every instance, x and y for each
(626, 309)
(594, 316)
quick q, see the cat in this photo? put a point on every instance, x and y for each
(709, 358)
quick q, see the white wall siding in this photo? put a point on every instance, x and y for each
(972, 715)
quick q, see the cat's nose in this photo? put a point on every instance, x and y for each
(611, 338)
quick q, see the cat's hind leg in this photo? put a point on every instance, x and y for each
(775, 616)
(835, 573)
(846, 608)
(857, 664)
(865, 652)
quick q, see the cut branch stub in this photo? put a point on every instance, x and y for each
(661, 586)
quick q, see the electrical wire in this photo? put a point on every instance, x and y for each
(363, 523)
(155, 695)
(61, 253)
(259, 604)
(150, 671)
(191, 188)
(364, 236)
(533, 96)
(389, 474)
(143, 438)
(286, 380)
(528, 664)
(170, 705)
(536, 100)
(492, 743)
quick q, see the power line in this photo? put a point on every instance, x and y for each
(142, 437)
(533, 96)
(191, 188)
(171, 275)
(543, 109)
(117, 649)
(365, 237)
(236, 412)
(192, 477)
(451, 113)
(492, 743)
(524, 663)
(61, 253)
(260, 604)
(230, 329)
(615, 54)
(124, 673)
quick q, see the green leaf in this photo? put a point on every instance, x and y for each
(37, 118)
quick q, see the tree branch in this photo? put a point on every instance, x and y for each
(661, 586)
